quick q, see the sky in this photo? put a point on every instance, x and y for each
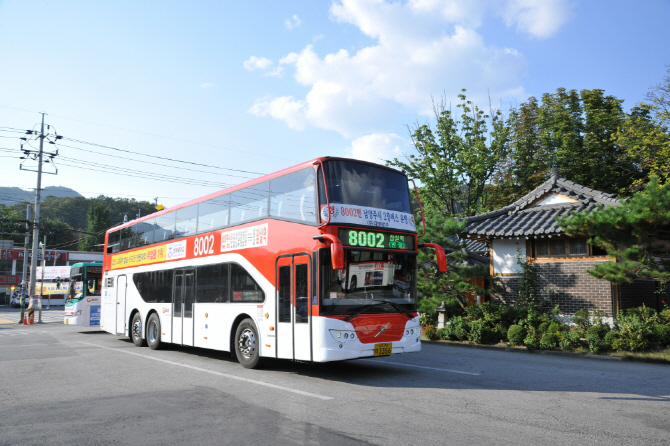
(175, 100)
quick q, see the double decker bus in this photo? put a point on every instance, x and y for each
(82, 306)
(265, 269)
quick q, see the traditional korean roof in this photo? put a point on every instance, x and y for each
(536, 212)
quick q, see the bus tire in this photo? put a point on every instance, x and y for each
(136, 331)
(154, 332)
(247, 348)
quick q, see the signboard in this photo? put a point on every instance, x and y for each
(10, 280)
(53, 272)
(376, 239)
(365, 216)
(17, 254)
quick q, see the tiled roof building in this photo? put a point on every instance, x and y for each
(528, 228)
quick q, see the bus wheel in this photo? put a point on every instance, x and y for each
(154, 332)
(352, 287)
(136, 330)
(246, 344)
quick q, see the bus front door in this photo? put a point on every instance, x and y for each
(293, 308)
(121, 285)
(182, 307)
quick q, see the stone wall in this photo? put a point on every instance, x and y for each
(566, 284)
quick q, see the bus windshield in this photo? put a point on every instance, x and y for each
(368, 277)
(359, 184)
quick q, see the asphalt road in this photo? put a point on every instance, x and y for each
(67, 385)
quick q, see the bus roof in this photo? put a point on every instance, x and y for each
(246, 184)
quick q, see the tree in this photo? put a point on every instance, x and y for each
(452, 287)
(637, 233)
(97, 222)
(455, 162)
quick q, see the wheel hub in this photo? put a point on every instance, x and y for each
(152, 332)
(137, 329)
(247, 343)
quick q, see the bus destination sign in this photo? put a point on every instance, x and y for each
(374, 239)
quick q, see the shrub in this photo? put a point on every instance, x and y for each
(500, 332)
(598, 330)
(582, 319)
(596, 344)
(543, 327)
(553, 328)
(549, 341)
(457, 329)
(570, 340)
(665, 316)
(429, 332)
(441, 333)
(531, 342)
(516, 334)
(611, 338)
(636, 330)
(480, 333)
(661, 334)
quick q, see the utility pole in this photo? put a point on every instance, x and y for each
(24, 274)
(36, 222)
(44, 267)
(39, 157)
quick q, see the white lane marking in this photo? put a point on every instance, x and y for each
(420, 367)
(212, 372)
(32, 345)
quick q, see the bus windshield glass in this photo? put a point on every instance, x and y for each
(367, 186)
(368, 277)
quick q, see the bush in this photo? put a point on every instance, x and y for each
(516, 334)
(636, 330)
(611, 338)
(480, 333)
(661, 334)
(531, 342)
(543, 327)
(570, 340)
(457, 329)
(549, 341)
(553, 328)
(582, 319)
(596, 344)
(598, 330)
(429, 332)
(665, 316)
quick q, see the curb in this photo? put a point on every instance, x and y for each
(525, 350)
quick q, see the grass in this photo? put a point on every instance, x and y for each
(657, 357)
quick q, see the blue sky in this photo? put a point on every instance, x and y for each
(262, 85)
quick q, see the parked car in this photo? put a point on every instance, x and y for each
(15, 300)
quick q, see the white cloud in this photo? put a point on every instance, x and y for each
(540, 19)
(293, 22)
(206, 85)
(379, 147)
(257, 63)
(423, 48)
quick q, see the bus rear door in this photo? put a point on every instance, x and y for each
(293, 308)
(182, 307)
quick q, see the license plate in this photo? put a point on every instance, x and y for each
(67, 321)
(383, 349)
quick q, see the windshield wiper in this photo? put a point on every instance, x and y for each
(379, 302)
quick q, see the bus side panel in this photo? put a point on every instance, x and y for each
(212, 323)
(108, 316)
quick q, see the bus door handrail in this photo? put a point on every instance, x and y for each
(423, 219)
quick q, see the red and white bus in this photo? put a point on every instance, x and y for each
(265, 269)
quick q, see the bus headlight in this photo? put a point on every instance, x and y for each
(77, 313)
(411, 331)
(343, 335)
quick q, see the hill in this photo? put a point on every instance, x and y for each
(14, 195)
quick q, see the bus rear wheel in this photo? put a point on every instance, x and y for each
(136, 330)
(246, 344)
(154, 332)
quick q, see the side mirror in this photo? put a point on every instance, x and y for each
(439, 253)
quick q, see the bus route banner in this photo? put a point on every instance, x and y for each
(249, 237)
(366, 216)
(145, 256)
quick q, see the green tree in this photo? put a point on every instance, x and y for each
(456, 161)
(97, 222)
(452, 287)
(59, 234)
(637, 233)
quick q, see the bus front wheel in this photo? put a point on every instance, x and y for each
(136, 330)
(154, 332)
(246, 344)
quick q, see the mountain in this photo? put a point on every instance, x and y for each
(14, 195)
